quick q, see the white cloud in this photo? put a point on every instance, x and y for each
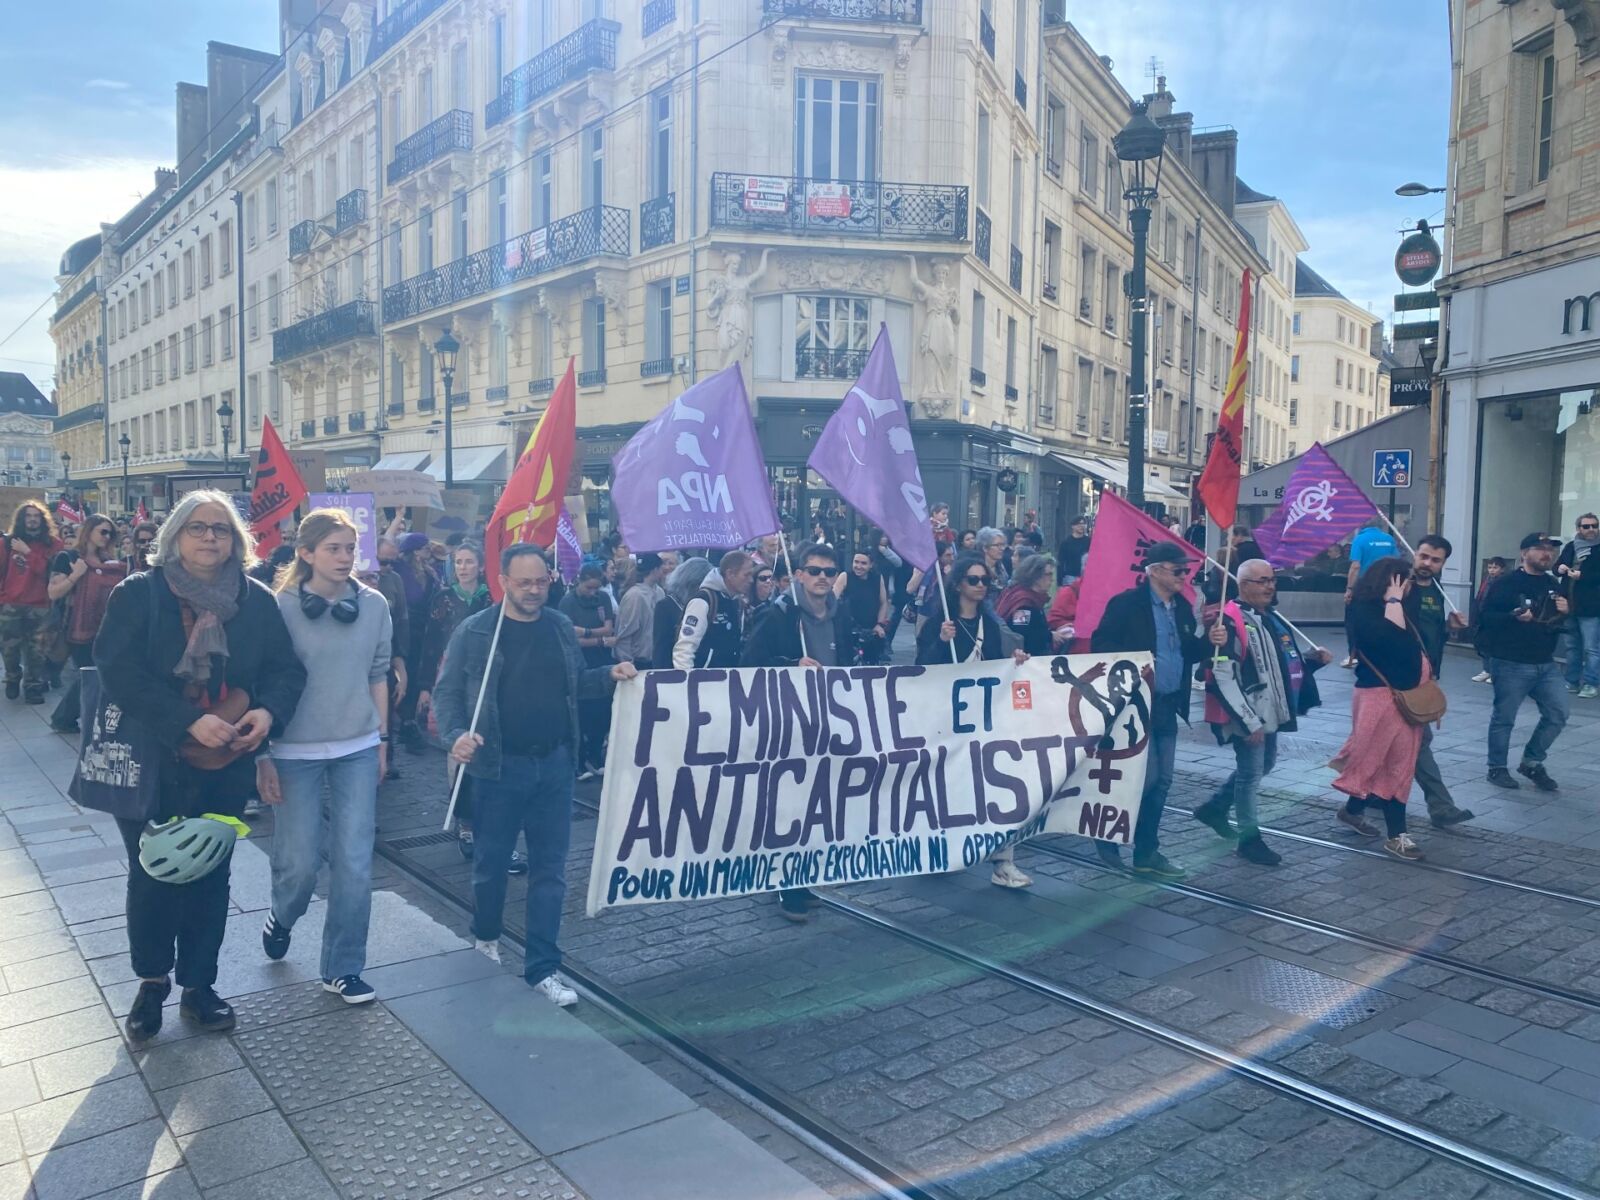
(115, 85)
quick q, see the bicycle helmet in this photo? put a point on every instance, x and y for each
(185, 849)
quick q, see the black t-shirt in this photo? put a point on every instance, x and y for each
(1069, 560)
(533, 688)
(61, 564)
(862, 597)
(1425, 609)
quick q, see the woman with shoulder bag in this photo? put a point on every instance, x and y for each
(82, 579)
(1394, 693)
(338, 737)
(198, 656)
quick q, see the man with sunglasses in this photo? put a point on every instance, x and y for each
(1583, 593)
(144, 543)
(1155, 617)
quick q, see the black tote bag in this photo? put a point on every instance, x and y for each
(119, 759)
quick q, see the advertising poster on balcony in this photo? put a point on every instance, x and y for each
(529, 248)
(766, 194)
(363, 513)
(829, 200)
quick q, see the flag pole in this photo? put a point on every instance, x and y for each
(1222, 600)
(1309, 640)
(794, 595)
(944, 598)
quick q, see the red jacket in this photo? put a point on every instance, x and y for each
(23, 582)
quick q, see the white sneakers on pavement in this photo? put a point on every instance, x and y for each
(557, 990)
(490, 950)
(1007, 875)
(1483, 677)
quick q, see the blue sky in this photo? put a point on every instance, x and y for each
(1335, 106)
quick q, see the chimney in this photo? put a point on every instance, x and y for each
(1158, 103)
(1214, 159)
(194, 122)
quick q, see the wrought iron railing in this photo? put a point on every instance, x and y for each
(459, 399)
(308, 429)
(301, 237)
(657, 14)
(592, 378)
(399, 23)
(356, 422)
(426, 404)
(497, 393)
(1019, 88)
(874, 209)
(824, 362)
(1050, 291)
(359, 318)
(590, 47)
(585, 234)
(1011, 394)
(982, 234)
(1016, 269)
(541, 387)
(330, 424)
(351, 209)
(453, 131)
(986, 33)
(658, 222)
(978, 377)
(397, 408)
(903, 12)
(655, 367)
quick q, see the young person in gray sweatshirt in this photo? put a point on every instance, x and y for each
(339, 736)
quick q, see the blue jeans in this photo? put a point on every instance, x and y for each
(1582, 641)
(1159, 767)
(533, 796)
(346, 819)
(1513, 683)
(1251, 766)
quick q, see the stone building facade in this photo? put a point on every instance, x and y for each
(1337, 379)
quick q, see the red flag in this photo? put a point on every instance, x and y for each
(1219, 482)
(66, 512)
(1116, 559)
(530, 506)
(140, 514)
(276, 489)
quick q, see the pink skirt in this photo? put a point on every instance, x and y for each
(1380, 756)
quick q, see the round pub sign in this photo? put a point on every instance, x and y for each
(1418, 259)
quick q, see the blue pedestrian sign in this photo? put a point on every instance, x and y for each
(1391, 468)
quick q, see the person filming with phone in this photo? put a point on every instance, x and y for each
(1523, 617)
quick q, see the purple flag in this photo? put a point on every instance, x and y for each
(1321, 505)
(694, 476)
(569, 551)
(865, 452)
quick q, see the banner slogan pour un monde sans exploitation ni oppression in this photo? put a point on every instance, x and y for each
(729, 782)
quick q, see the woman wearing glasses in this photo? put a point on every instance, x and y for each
(83, 577)
(194, 652)
(339, 736)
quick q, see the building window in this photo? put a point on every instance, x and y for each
(1055, 134)
(497, 356)
(460, 78)
(225, 247)
(458, 226)
(1296, 324)
(252, 220)
(977, 337)
(397, 257)
(1088, 163)
(159, 290)
(1087, 256)
(594, 335)
(1085, 396)
(658, 323)
(205, 261)
(397, 383)
(1294, 410)
(207, 342)
(274, 397)
(831, 336)
(835, 127)
(542, 191)
(188, 348)
(1294, 368)
(274, 300)
(172, 357)
(594, 175)
(225, 319)
(252, 401)
(1544, 99)
(1048, 384)
(188, 275)
(1052, 260)
(1338, 372)
(660, 142)
(1011, 359)
(499, 209)
(272, 207)
(425, 241)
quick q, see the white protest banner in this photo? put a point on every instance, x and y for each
(398, 489)
(363, 514)
(729, 782)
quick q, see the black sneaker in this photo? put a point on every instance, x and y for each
(1541, 777)
(464, 843)
(1213, 814)
(144, 1018)
(206, 1009)
(13, 689)
(353, 988)
(1501, 777)
(275, 938)
(518, 864)
(1253, 849)
(795, 904)
(1158, 866)
(1454, 817)
(393, 772)
(1109, 853)
(33, 698)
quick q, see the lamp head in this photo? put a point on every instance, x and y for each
(447, 348)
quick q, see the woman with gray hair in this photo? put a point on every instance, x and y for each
(992, 545)
(681, 586)
(197, 655)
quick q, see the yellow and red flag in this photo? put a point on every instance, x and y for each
(1219, 482)
(531, 503)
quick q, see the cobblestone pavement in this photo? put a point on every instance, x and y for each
(992, 1090)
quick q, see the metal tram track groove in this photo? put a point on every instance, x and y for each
(1280, 1082)
(889, 1182)
(1581, 999)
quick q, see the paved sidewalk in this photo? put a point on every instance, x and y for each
(458, 1083)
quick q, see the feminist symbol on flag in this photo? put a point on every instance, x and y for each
(1314, 501)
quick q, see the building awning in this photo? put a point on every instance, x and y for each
(408, 460)
(472, 462)
(1115, 473)
(1084, 466)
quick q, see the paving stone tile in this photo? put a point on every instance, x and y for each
(335, 1055)
(17, 1087)
(1401, 1053)
(36, 1003)
(213, 1100)
(10, 1140)
(38, 1038)
(299, 1180)
(166, 1066)
(247, 1146)
(1532, 1100)
(78, 1116)
(537, 1180)
(101, 1163)
(82, 1067)
(169, 1185)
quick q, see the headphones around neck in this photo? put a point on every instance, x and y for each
(346, 610)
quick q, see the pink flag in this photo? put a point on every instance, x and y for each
(66, 512)
(1321, 506)
(569, 552)
(1115, 563)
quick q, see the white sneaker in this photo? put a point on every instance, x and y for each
(1481, 677)
(490, 950)
(1007, 875)
(557, 991)
(1403, 847)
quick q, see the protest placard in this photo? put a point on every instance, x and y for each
(730, 782)
(363, 514)
(398, 489)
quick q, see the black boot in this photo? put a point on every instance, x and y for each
(206, 1009)
(1215, 815)
(144, 1018)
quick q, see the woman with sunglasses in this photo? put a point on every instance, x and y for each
(83, 577)
(341, 631)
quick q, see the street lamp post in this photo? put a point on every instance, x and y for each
(27, 475)
(123, 443)
(66, 476)
(225, 416)
(446, 348)
(1140, 146)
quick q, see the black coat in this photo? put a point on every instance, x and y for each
(136, 672)
(1129, 624)
(932, 650)
(774, 640)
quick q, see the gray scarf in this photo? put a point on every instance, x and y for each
(214, 604)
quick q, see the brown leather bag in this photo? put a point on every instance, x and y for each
(233, 706)
(1422, 705)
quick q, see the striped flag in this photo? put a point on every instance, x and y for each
(1219, 482)
(528, 507)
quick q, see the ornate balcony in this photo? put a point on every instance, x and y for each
(355, 422)
(300, 238)
(330, 424)
(359, 318)
(983, 232)
(586, 234)
(824, 362)
(541, 387)
(657, 15)
(900, 12)
(590, 47)
(453, 131)
(658, 222)
(592, 378)
(396, 408)
(308, 429)
(399, 23)
(350, 210)
(655, 367)
(978, 377)
(426, 404)
(496, 394)
(918, 211)
(1019, 88)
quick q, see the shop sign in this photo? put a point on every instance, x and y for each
(1579, 314)
(1418, 259)
(1006, 480)
(1409, 386)
(1413, 331)
(1416, 301)
(766, 194)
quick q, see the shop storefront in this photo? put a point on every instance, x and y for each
(1521, 433)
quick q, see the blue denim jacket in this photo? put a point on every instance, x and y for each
(461, 674)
